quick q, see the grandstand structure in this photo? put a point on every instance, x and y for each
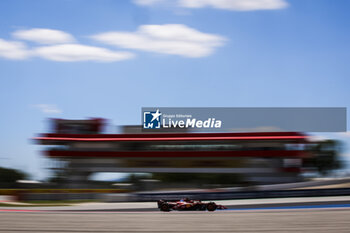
(81, 148)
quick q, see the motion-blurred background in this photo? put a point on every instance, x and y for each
(80, 155)
(75, 74)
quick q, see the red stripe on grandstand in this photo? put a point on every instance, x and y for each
(171, 138)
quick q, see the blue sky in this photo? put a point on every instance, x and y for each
(78, 59)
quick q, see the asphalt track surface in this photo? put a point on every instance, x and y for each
(331, 215)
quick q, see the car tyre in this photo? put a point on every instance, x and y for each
(211, 206)
(165, 207)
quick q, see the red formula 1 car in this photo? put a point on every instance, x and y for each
(187, 204)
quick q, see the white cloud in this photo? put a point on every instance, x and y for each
(77, 52)
(174, 39)
(44, 36)
(148, 2)
(234, 5)
(13, 50)
(48, 108)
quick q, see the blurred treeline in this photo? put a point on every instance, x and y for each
(9, 177)
(327, 157)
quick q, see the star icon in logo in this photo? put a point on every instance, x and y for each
(156, 115)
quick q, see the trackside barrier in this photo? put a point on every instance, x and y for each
(239, 195)
(121, 195)
(59, 194)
